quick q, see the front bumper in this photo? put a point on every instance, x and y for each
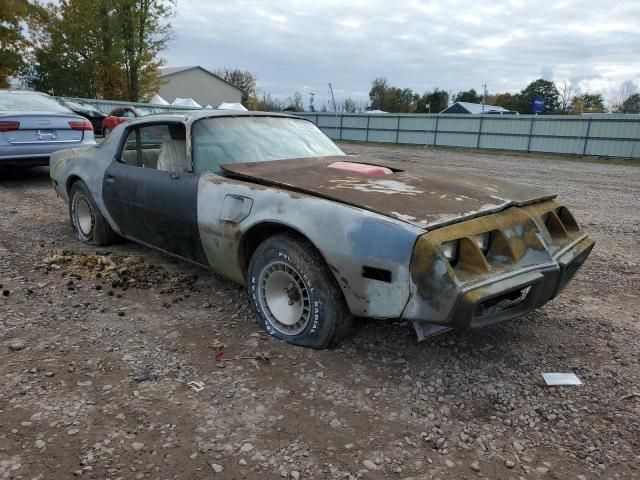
(496, 296)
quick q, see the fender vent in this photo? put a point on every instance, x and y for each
(376, 274)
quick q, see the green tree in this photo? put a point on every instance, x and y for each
(587, 103)
(543, 88)
(349, 106)
(470, 96)
(438, 100)
(378, 92)
(398, 100)
(13, 15)
(243, 79)
(431, 102)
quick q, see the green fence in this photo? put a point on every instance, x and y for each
(607, 135)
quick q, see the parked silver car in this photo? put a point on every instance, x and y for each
(33, 126)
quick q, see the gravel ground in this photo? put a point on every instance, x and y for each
(97, 347)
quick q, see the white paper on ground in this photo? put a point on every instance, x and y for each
(561, 379)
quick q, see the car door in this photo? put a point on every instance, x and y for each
(154, 207)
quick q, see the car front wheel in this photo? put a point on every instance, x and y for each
(88, 223)
(293, 294)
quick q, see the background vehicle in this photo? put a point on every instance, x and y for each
(33, 125)
(269, 201)
(121, 115)
(89, 112)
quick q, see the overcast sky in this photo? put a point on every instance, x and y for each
(452, 44)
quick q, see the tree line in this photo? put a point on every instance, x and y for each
(561, 98)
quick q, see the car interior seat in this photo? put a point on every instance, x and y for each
(173, 153)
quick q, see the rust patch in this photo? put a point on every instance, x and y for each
(426, 197)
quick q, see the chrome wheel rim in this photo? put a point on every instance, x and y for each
(84, 216)
(284, 298)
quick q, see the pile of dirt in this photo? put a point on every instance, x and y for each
(120, 271)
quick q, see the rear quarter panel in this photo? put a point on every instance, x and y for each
(87, 164)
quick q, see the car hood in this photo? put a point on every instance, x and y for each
(425, 196)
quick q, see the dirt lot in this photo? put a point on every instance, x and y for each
(96, 347)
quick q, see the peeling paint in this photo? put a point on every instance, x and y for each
(387, 187)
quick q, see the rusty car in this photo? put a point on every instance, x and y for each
(318, 237)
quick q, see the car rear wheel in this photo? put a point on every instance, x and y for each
(88, 223)
(105, 132)
(293, 294)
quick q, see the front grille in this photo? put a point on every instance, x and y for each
(501, 303)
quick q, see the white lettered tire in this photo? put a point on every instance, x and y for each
(294, 295)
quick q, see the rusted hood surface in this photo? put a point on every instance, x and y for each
(425, 196)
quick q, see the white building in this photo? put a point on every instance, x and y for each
(203, 86)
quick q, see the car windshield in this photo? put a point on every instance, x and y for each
(29, 102)
(146, 111)
(80, 106)
(223, 140)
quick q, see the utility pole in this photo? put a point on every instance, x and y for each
(335, 109)
(311, 107)
(484, 95)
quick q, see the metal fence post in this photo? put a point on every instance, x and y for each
(367, 137)
(533, 119)
(435, 133)
(480, 131)
(586, 137)
(341, 117)
(397, 129)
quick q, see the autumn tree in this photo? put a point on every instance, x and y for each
(101, 48)
(587, 103)
(243, 79)
(510, 101)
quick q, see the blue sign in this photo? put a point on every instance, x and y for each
(537, 104)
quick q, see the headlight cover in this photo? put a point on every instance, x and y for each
(450, 250)
(482, 241)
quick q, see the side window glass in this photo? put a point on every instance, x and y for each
(128, 114)
(129, 153)
(159, 146)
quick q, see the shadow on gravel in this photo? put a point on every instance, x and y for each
(10, 177)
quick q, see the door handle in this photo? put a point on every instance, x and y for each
(174, 176)
(110, 179)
